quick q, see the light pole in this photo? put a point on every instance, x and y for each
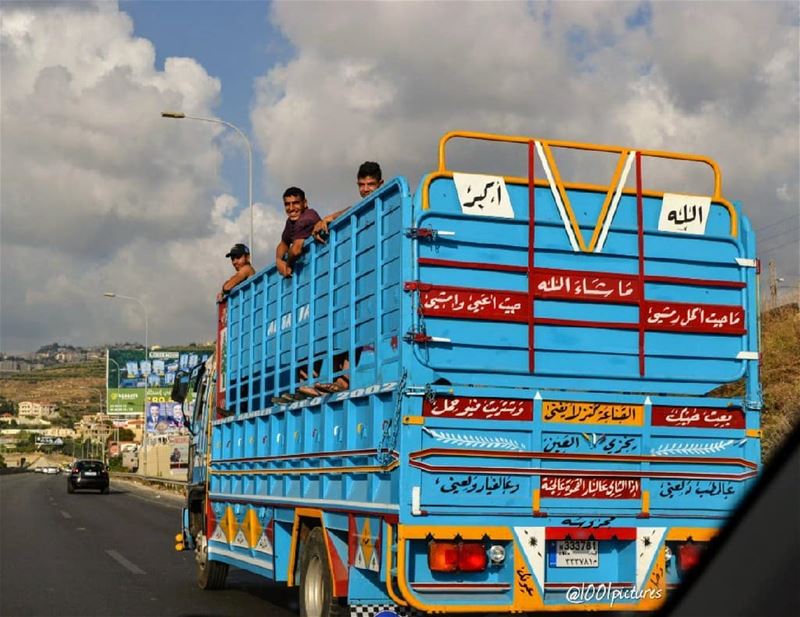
(109, 294)
(179, 115)
(117, 365)
(102, 439)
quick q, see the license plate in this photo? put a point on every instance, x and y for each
(577, 554)
(89, 473)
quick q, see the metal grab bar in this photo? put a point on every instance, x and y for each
(444, 172)
(575, 145)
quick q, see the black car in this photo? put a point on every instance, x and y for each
(88, 474)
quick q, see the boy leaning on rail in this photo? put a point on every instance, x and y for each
(368, 178)
(300, 221)
(240, 259)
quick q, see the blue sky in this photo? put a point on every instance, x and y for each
(236, 42)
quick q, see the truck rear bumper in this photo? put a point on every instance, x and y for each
(543, 569)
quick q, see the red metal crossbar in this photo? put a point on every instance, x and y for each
(531, 238)
(640, 233)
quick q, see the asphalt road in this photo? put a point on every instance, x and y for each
(88, 554)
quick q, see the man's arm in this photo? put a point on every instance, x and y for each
(295, 251)
(322, 225)
(280, 262)
(242, 275)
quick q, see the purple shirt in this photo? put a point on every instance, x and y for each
(301, 228)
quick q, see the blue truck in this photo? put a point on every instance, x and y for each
(532, 420)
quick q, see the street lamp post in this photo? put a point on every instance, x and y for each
(102, 439)
(109, 294)
(179, 115)
(117, 365)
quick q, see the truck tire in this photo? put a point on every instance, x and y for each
(211, 575)
(316, 580)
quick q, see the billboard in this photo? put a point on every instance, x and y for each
(164, 418)
(179, 456)
(134, 379)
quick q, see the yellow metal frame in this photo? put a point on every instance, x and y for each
(698, 534)
(405, 532)
(548, 145)
(446, 532)
(211, 403)
(388, 560)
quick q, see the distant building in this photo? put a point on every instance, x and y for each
(27, 423)
(59, 431)
(66, 356)
(96, 427)
(15, 432)
(16, 365)
(29, 410)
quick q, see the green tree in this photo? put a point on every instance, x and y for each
(26, 442)
(7, 406)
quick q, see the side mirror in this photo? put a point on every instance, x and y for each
(180, 387)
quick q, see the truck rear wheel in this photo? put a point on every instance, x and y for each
(210, 574)
(316, 580)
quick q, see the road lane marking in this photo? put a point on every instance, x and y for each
(128, 565)
(66, 514)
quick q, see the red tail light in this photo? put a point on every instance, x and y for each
(688, 555)
(472, 557)
(452, 556)
(443, 556)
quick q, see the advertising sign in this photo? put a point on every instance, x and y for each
(132, 380)
(125, 401)
(179, 456)
(164, 418)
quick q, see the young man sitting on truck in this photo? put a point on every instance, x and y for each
(240, 258)
(368, 178)
(300, 221)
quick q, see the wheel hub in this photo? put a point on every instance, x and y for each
(314, 588)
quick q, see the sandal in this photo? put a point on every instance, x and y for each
(327, 388)
(307, 392)
(282, 399)
(304, 393)
(336, 386)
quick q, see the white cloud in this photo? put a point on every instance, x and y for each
(99, 193)
(719, 79)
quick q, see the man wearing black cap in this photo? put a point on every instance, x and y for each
(240, 258)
